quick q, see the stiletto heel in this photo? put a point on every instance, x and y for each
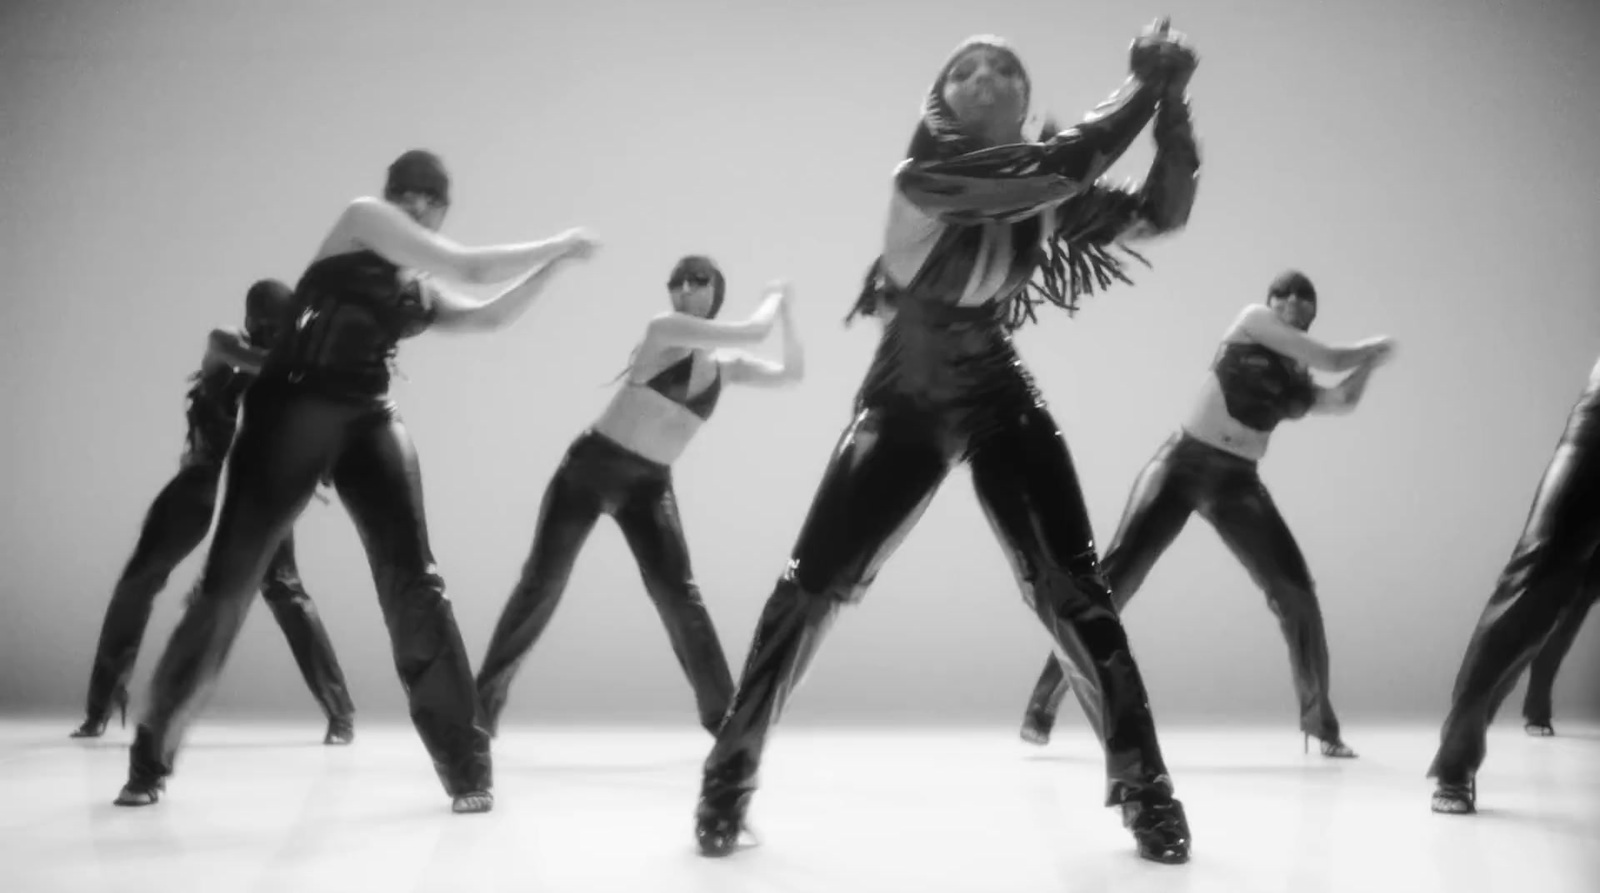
(122, 707)
(1330, 747)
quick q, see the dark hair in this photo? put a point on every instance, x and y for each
(1292, 282)
(266, 305)
(701, 263)
(689, 263)
(418, 171)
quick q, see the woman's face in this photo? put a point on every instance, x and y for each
(693, 290)
(1294, 310)
(986, 89)
(427, 210)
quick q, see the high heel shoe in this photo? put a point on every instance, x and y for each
(1540, 730)
(95, 726)
(1331, 748)
(472, 802)
(719, 824)
(1456, 797)
(140, 794)
(340, 731)
(1160, 828)
(1036, 726)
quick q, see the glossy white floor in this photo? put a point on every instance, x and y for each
(267, 808)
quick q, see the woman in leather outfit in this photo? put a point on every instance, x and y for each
(181, 514)
(1540, 598)
(622, 467)
(983, 225)
(1260, 377)
(321, 409)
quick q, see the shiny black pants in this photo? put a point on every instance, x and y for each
(599, 476)
(1188, 476)
(1546, 663)
(883, 473)
(289, 438)
(1540, 593)
(175, 524)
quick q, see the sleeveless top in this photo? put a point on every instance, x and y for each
(356, 308)
(1260, 386)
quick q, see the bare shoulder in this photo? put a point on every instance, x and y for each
(1249, 322)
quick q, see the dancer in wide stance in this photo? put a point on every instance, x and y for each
(321, 408)
(622, 467)
(180, 516)
(1537, 597)
(1259, 378)
(983, 225)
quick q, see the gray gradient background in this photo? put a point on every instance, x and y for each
(1429, 163)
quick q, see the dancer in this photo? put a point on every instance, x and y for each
(321, 407)
(977, 211)
(622, 467)
(1259, 378)
(1538, 595)
(1536, 710)
(180, 516)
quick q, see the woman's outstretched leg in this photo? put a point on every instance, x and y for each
(1030, 493)
(883, 474)
(378, 478)
(282, 446)
(649, 522)
(174, 525)
(1251, 527)
(309, 642)
(567, 515)
(1540, 585)
(1156, 511)
(1536, 709)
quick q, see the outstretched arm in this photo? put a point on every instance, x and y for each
(688, 331)
(1346, 395)
(458, 313)
(390, 232)
(1262, 326)
(739, 367)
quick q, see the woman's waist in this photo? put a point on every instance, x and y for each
(597, 448)
(344, 380)
(951, 362)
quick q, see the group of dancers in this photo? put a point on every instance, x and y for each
(986, 224)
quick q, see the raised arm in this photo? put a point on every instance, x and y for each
(1104, 213)
(1346, 395)
(739, 367)
(228, 348)
(1261, 325)
(1012, 181)
(457, 313)
(389, 231)
(684, 330)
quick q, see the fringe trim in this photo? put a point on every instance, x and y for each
(1070, 270)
